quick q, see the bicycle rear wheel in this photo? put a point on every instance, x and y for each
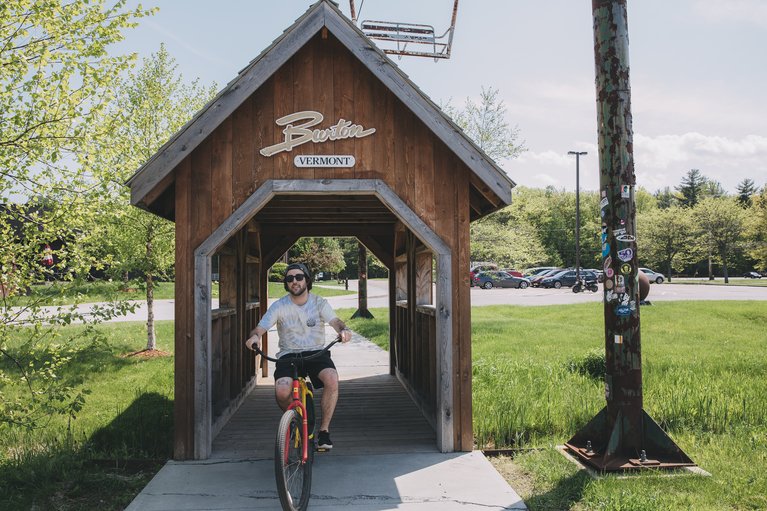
(294, 478)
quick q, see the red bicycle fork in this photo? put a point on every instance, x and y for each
(296, 403)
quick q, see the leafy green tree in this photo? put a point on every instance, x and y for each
(757, 229)
(713, 189)
(667, 238)
(151, 104)
(665, 197)
(510, 246)
(56, 79)
(321, 254)
(746, 189)
(722, 224)
(691, 188)
(485, 123)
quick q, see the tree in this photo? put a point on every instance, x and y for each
(666, 238)
(485, 123)
(664, 197)
(320, 254)
(55, 80)
(150, 105)
(691, 188)
(515, 246)
(713, 189)
(722, 224)
(746, 189)
(757, 229)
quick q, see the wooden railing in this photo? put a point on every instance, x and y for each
(415, 347)
(232, 364)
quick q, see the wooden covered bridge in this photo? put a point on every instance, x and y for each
(320, 135)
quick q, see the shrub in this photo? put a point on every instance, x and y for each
(591, 364)
(277, 272)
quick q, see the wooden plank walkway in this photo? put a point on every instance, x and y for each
(374, 415)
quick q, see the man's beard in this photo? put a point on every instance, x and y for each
(296, 292)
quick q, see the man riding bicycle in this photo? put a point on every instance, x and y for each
(300, 317)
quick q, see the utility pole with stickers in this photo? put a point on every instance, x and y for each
(622, 437)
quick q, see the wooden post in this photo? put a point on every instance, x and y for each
(362, 291)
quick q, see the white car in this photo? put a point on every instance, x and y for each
(654, 276)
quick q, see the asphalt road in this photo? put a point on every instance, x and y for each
(378, 296)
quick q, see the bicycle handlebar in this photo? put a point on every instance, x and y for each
(310, 357)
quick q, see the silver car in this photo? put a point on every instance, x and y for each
(653, 276)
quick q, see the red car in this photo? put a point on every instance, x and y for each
(513, 272)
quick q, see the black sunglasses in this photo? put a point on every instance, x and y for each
(299, 278)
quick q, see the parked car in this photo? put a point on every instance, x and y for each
(654, 276)
(566, 278)
(536, 280)
(599, 273)
(513, 272)
(491, 279)
(480, 268)
(537, 270)
(752, 275)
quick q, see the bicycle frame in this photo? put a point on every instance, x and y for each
(300, 390)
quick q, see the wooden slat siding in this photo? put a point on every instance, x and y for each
(323, 95)
(383, 109)
(221, 173)
(413, 342)
(263, 129)
(364, 115)
(392, 320)
(183, 402)
(423, 176)
(302, 65)
(462, 302)
(343, 101)
(239, 322)
(220, 391)
(243, 147)
(408, 141)
(283, 105)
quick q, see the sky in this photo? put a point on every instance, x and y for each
(698, 74)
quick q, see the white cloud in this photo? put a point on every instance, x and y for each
(741, 11)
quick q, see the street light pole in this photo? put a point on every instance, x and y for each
(577, 214)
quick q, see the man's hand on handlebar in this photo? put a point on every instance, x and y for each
(345, 335)
(253, 342)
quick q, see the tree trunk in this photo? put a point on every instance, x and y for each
(710, 266)
(668, 269)
(724, 267)
(151, 338)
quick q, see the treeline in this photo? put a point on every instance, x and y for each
(697, 229)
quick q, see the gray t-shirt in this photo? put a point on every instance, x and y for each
(300, 327)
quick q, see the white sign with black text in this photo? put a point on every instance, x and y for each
(324, 161)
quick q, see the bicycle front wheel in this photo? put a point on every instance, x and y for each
(294, 477)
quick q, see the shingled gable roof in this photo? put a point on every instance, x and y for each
(322, 14)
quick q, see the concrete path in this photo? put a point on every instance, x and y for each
(240, 473)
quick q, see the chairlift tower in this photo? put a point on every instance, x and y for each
(408, 39)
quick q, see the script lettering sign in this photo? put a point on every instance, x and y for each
(298, 130)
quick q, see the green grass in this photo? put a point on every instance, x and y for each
(719, 281)
(119, 440)
(376, 330)
(704, 379)
(56, 293)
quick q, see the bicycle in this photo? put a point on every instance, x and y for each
(292, 456)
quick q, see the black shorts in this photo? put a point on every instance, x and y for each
(309, 368)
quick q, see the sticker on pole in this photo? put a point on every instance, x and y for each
(626, 254)
(623, 311)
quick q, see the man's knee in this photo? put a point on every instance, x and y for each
(329, 378)
(282, 389)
